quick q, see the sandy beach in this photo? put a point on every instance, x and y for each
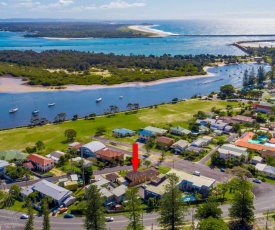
(65, 39)
(268, 44)
(149, 29)
(10, 84)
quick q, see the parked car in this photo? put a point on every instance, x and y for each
(256, 180)
(68, 215)
(113, 143)
(144, 186)
(109, 219)
(63, 210)
(24, 216)
(145, 155)
(222, 169)
(196, 173)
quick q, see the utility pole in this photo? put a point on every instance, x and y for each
(83, 176)
(152, 227)
(266, 219)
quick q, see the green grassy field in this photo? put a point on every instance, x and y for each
(54, 139)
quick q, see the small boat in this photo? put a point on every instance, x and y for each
(51, 104)
(98, 100)
(120, 97)
(14, 110)
(35, 111)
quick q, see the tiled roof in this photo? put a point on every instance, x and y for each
(29, 165)
(165, 140)
(148, 173)
(35, 158)
(109, 153)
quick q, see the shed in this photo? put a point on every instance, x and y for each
(256, 160)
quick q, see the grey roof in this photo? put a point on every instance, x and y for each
(180, 143)
(94, 146)
(101, 182)
(69, 200)
(180, 129)
(269, 169)
(56, 154)
(199, 142)
(74, 177)
(155, 129)
(105, 192)
(3, 164)
(233, 148)
(27, 191)
(51, 190)
(266, 103)
(119, 191)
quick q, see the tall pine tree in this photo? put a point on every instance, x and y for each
(94, 211)
(134, 208)
(245, 78)
(46, 212)
(172, 208)
(261, 75)
(29, 223)
(251, 77)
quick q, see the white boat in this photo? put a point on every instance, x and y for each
(35, 111)
(120, 97)
(51, 104)
(14, 110)
(98, 99)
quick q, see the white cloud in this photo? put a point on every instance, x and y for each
(122, 4)
(79, 9)
(28, 3)
(3, 4)
(58, 4)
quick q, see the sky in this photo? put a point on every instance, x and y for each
(137, 9)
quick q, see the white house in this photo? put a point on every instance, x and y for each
(90, 149)
(232, 151)
(269, 171)
(55, 155)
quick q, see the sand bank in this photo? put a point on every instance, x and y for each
(149, 29)
(10, 84)
(268, 44)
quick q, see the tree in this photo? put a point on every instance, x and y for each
(94, 211)
(29, 223)
(261, 75)
(245, 78)
(251, 77)
(227, 90)
(147, 163)
(236, 127)
(46, 212)
(149, 144)
(172, 208)
(134, 208)
(208, 209)
(70, 134)
(40, 145)
(242, 207)
(14, 191)
(88, 172)
(212, 224)
(100, 130)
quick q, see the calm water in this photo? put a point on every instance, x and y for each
(158, 46)
(83, 102)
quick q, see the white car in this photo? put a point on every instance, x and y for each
(196, 173)
(24, 216)
(144, 186)
(109, 219)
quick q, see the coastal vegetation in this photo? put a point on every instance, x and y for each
(56, 68)
(72, 29)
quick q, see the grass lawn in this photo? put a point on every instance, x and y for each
(269, 180)
(17, 206)
(54, 139)
(164, 169)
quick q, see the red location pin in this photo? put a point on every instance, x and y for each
(135, 160)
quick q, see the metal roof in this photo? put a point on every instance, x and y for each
(3, 164)
(94, 146)
(120, 190)
(156, 130)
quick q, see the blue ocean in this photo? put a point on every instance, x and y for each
(206, 37)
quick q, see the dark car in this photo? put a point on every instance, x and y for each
(256, 180)
(68, 215)
(222, 169)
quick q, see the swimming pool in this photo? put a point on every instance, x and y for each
(188, 198)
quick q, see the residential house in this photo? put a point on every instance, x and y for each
(269, 171)
(218, 132)
(75, 146)
(123, 132)
(74, 177)
(265, 152)
(110, 155)
(13, 155)
(140, 177)
(179, 146)
(263, 107)
(179, 131)
(55, 156)
(200, 142)
(227, 129)
(232, 151)
(203, 129)
(212, 123)
(29, 165)
(144, 135)
(90, 149)
(256, 160)
(155, 191)
(194, 149)
(119, 193)
(271, 127)
(155, 130)
(85, 162)
(207, 139)
(165, 142)
(242, 119)
(41, 163)
(46, 188)
(112, 177)
(3, 165)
